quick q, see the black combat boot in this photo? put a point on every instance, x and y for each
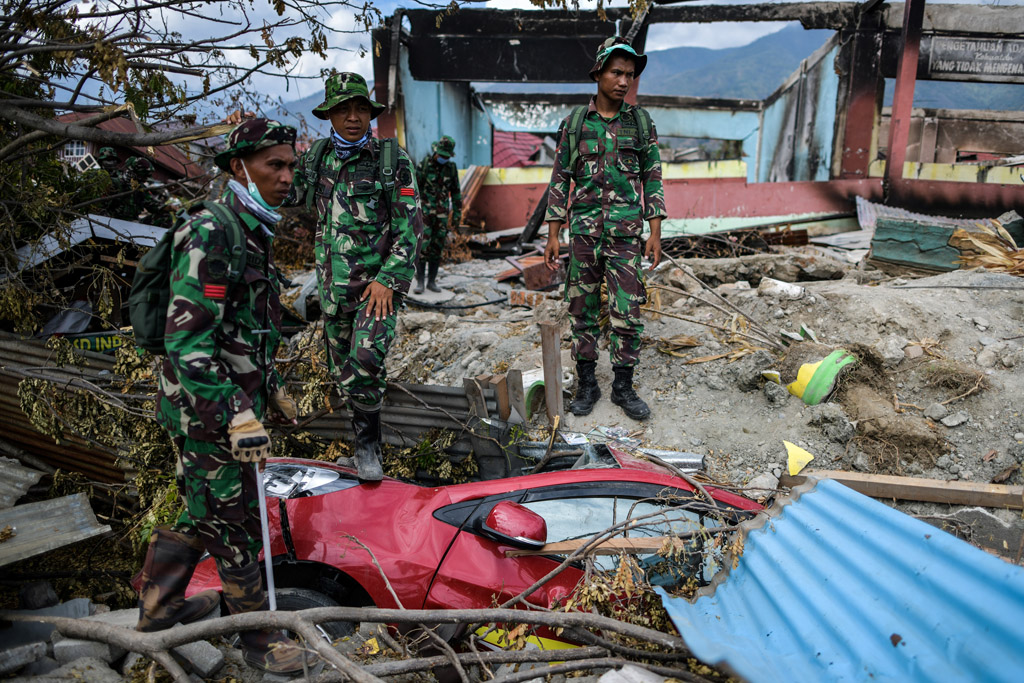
(366, 425)
(170, 560)
(587, 393)
(432, 276)
(624, 396)
(420, 271)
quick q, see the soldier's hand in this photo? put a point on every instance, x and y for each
(380, 304)
(652, 252)
(238, 116)
(284, 410)
(551, 250)
(249, 440)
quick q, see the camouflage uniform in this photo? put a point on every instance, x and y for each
(362, 235)
(614, 173)
(437, 183)
(221, 337)
(130, 196)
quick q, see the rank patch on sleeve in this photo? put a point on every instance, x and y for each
(215, 291)
(406, 192)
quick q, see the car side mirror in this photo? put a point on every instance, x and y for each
(515, 525)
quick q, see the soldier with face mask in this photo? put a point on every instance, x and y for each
(438, 181)
(609, 151)
(363, 193)
(217, 385)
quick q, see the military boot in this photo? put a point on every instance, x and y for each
(624, 396)
(587, 393)
(432, 276)
(366, 425)
(267, 649)
(170, 560)
(421, 268)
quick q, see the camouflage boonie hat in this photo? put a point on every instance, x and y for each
(611, 46)
(106, 153)
(445, 147)
(251, 136)
(342, 87)
(139, 165)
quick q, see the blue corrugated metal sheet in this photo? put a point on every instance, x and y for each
(835, 586)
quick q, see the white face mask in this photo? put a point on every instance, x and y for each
(254, 191)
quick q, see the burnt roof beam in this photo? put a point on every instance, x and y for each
(811, 15)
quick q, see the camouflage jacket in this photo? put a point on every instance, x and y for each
(610, 176)
(358, 238)
(221, 334)
(437, 182)
(131, 199)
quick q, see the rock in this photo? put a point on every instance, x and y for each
(481, 339)
(67, 650)
(765, 483)
(13, 658)
(776, 394)
(777, 289)
(629, 674)
(40, 667)
(202, 657)
(956, 419)
(891, 351)
(86, 669)
(417, 320)
(861, 463)
(981, 323)
(833, 421)
(1019, 436)
(746, 372)
(423, 338)
(987, 357)
(913, 351)
(943, 462)
(935, 411)
(988, 341)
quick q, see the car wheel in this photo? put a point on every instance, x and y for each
(295, 599)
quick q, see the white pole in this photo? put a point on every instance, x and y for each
(268, 561)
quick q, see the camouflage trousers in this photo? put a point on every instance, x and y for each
(357, 346)
(221, 502)
(435, 234)
(616, 262)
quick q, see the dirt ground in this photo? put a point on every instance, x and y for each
(936, 391)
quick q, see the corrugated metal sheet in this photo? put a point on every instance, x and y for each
(15, 481)
(869, 212)
(47, 525)
(835, 586)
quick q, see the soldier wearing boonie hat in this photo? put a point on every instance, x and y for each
(218, 383)
(363, 194)
(438, 181)
(609, 150)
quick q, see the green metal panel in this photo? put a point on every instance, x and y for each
(914, 243)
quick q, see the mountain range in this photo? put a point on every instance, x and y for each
(752, 71)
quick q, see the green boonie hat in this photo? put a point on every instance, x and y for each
(251, 136)
(611, 46)
(139, 165)
(445, 147)
(342, 87)
(106, 153)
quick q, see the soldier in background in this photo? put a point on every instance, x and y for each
(363, 193)
(130, 194)
(217, 384)
(610, 150)
(438, 181)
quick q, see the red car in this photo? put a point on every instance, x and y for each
(445, 547)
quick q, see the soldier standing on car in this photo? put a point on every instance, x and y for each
(217, 383)
(617, 173)
(363, 192)
(438, 181)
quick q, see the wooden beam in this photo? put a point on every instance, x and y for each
(811, 15)
(914, 488)
(903, 95)
(550, 343)
(613, 546)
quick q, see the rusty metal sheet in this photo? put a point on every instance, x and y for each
(15, 481)
(47, 525)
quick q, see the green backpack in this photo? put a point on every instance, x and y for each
(640, 127)
(312, 169)
(151, 289)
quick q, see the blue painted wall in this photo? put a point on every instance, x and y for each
(720, 124)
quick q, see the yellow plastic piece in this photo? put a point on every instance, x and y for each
(798, 458)
(497, 638)
(803, 378)
(370, 647)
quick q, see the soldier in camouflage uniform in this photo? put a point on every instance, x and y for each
(130, 196)
(217, 383)
(614, 169)
(438, 180)
(365, 245)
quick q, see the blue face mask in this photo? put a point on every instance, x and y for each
(254, 192)
(442, 160)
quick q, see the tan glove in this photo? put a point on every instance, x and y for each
(284, 404)
(249, 440)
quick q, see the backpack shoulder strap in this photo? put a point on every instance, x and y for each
(387, 162)
(312, 171)
(643, 120)
(236, 237)
(575, 132)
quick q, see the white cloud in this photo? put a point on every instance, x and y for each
(716, 36)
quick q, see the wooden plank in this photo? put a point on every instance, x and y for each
(475, 397)
(913, 488)
(550, 342)
(500, 384)
(612, 546)
(516, 392)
